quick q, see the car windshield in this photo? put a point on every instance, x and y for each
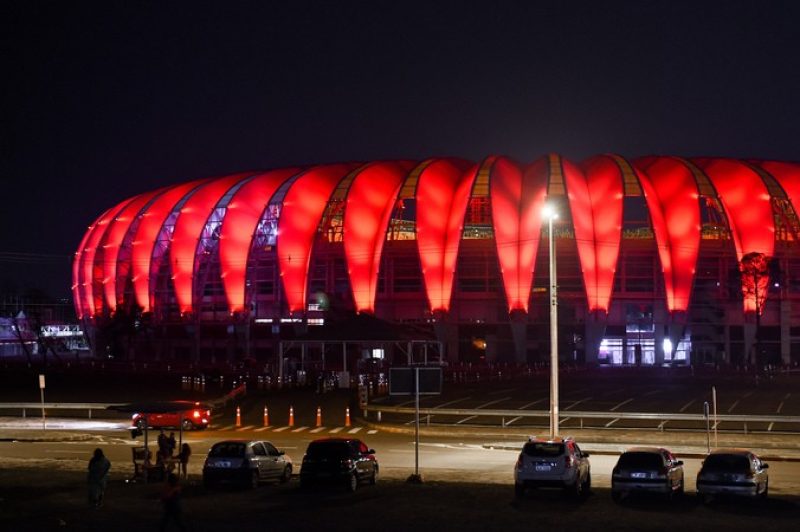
(637, 460)
(328, 449)
(227, 449)
(726, 462)
(543, 449)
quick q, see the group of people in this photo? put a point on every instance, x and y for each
(100, 466)
(165, 458)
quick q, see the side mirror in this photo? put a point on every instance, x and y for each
(679, 463)
(585, 455)
(764, 466)
(371, 451)
(281, 453)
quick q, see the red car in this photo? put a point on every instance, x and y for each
(176, 414)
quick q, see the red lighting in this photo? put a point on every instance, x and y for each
(746, 201)
(443, 192)
(670, 191)
(517, 202)
(302, 211)
(370, 201)
(236, 237)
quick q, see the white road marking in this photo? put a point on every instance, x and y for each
(769, 429)
(612, 422)
(372, 431)
(281, 429)
(337, 429)
(575, 403)
(736, 402)
(262, 429)
(318, 429)
(482, 406)
(299, 429)
(652, 392)
(226, 427)
(354, 431)
(523, 407)
(451, 402)
(780, 407)
(687, 405)
(246, 427)
(623, 403)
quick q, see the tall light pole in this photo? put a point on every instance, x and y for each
(550, 213)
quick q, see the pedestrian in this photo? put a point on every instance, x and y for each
(171, 499)
(162, 441)
(183, 457)
(171, 443)
(99, 466)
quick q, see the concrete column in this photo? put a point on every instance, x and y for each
(595, 329)
(519, 334)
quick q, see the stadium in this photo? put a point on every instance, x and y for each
(659, 260)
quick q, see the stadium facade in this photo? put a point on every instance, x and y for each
(659, 260)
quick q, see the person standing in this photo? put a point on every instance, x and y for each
(171, 444)
(171, 499)
(99, 467)
(183, 458)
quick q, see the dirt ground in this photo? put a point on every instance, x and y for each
(46, 496)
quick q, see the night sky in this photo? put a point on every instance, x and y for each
(104, 100)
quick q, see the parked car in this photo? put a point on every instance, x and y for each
(647, 470)
(176, 414)
(245, 462)
(344, 461)
(732, 472)
(552, 462)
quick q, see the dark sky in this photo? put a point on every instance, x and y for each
(104, 100)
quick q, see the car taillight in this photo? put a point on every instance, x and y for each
(347, 464)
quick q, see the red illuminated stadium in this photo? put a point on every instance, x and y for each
(652, 259)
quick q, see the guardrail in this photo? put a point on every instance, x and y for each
(586, 414)
(57, 406)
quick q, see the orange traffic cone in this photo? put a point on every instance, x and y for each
(319, 416)
(266, 416)
(347, 417)
(238, 417)
(291, 416)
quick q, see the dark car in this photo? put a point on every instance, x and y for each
(176, 414)
(732, 472)
(647, 470)
(246, 463)
(343, 461)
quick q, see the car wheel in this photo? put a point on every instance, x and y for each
(577, 488)
(187, 424)
(765, 493)
(519, 490)
(681, 489)
(287, 474)
(253, 484)
(352, 482)
(587, 485)
(374, 478)
(140, 424)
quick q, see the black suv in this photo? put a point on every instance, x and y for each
(338, 460)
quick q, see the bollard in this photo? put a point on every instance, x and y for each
(291, 416)
(238, 417)
(202, 384)
(319, 416)
(347, 417)
(379, 416)
(266, 416)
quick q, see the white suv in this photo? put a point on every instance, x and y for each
(553, 463)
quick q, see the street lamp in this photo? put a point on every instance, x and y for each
(550, 214)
